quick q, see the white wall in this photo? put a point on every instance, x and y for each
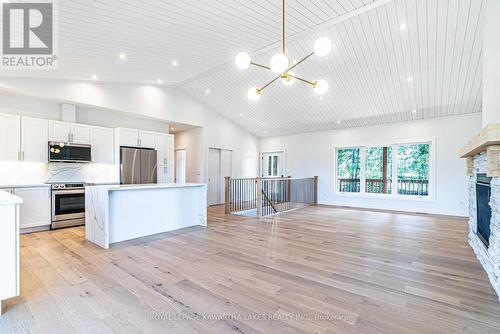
(164, 103)
(43, 108)
(491, 64)
(312, 154)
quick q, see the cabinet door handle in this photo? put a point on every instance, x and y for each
(69, 137)
(22, 155)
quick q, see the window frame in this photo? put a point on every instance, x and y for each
(394, 193)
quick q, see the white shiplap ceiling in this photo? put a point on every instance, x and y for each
(368, 70)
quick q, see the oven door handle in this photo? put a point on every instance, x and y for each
(67, 192)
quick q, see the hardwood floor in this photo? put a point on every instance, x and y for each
(315, 270)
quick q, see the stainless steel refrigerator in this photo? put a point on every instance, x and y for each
(137, 165)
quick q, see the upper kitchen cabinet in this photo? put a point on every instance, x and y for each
(102, 142)
(127, 137)
(80, 134)
(164, 145)
(147, 139)
(59, 131)
(135, 138)
(34, 139)
(69, 132)
(10, 137)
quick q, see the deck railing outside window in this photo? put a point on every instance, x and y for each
(405, 187)
(265, 196)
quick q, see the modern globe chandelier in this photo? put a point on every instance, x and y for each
(280, 65)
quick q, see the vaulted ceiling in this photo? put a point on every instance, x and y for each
(392, 60)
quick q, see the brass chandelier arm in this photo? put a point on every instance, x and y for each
(283, 31)
(302, 79)
(300, 61)
(259, 65)
(269, 83)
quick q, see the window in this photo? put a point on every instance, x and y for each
(413, 169)
(378, 170)
(399, 170)
(273, 164)
(348, 170)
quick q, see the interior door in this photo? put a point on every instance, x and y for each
(214, 175)
(226, 170)
(273, 164)
(180, 166)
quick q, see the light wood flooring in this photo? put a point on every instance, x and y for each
(315, 270)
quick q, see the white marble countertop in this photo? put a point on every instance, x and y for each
(25, 185)
(148, 186)
(9, 199)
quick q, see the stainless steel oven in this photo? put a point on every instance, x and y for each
(68, 205)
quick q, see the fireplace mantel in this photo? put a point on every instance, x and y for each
(487, 140)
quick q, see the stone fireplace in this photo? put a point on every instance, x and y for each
(483, 162)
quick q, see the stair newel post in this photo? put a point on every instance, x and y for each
(258, 180)
(227, 194)
(315, 195)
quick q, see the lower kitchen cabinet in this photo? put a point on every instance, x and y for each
(36, 210)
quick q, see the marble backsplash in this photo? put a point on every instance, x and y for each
(14, 173)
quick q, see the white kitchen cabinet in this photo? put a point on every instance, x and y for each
(164, 145)
(36, 210)
(59, 131)
(102, 142)
(146, 139)
(166, 174)
(80, 134)
(10, 137)
(9, 248)
(69, 132)
(135, 138)
(34, 139)
(127, 137)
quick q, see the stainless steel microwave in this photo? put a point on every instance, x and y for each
(64, 152)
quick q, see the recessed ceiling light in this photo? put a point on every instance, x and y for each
(122, 56)
(321, 97)
(409, 79)
(159, 81)
(403, 26)
(241, 114)
(208, 91)
(174, 63)
(172, 128)
(94, 77)
(338, 122)
(414, 111)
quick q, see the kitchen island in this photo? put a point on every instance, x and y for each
(115, 213)
(9, 247)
